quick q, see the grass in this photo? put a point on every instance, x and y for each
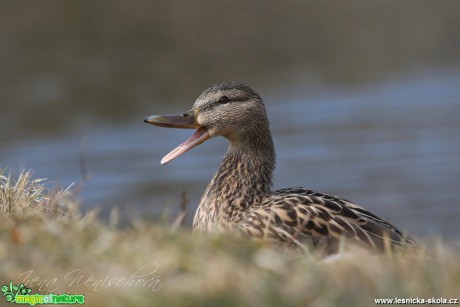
(48, 244)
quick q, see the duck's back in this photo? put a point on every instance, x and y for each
(306, 217)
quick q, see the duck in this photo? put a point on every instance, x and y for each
(239, 197)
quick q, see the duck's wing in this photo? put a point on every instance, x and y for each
(306, 216)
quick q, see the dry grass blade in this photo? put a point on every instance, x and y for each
(180, 219)
(27, 194)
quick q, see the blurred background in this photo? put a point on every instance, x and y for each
(363, 99)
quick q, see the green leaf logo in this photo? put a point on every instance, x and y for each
(10, 291)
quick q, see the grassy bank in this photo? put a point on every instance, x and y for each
(49, 245)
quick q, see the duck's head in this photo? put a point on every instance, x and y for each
(232, 110)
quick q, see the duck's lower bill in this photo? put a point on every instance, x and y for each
(196, 139)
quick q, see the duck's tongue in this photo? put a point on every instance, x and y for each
(198, 137)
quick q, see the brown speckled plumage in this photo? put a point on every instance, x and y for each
(239, 197)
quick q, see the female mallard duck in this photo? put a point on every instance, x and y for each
(239, 196)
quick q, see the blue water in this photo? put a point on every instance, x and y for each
(392, 147)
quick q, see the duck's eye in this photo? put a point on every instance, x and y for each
(224, 99)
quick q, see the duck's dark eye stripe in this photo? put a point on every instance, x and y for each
(224, 99)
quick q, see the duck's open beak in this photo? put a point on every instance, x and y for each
(185, 120)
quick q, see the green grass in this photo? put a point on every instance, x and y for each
(48, 243)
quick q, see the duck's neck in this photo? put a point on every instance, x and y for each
(243, 179)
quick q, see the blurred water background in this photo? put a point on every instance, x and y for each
(363, 98)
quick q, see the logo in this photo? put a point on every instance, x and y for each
(22, 295)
